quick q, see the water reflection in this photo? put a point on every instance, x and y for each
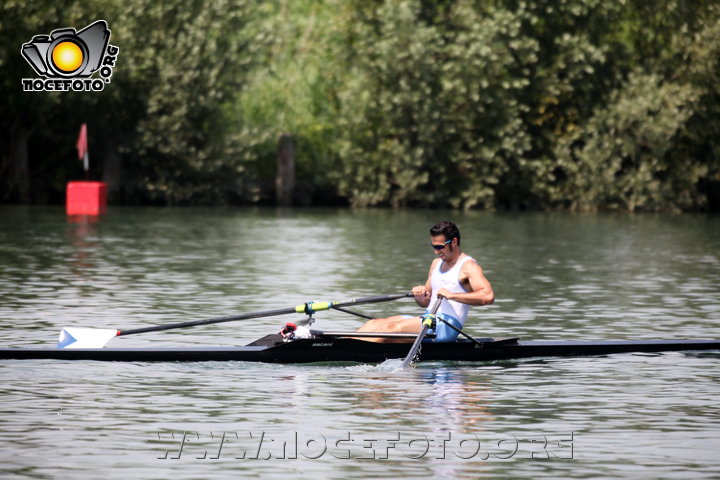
(83, 232)
(459, 395)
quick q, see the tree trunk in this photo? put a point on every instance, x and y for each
(285, 178)
(16, 164)
(112, 168)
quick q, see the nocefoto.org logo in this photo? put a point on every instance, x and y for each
(67, 59)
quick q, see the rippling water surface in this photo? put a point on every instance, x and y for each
(555, 276)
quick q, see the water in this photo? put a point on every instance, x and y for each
(556, 276)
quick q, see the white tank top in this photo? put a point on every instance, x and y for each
(449, 280)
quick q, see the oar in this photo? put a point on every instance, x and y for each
(74, 337)
(352, 312)
(418, 340)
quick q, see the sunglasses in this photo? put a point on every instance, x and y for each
(440, 247)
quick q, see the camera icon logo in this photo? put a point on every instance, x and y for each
(67, 54)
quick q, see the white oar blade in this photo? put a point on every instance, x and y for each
(78, 337)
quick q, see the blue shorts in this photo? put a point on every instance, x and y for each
(442, 332)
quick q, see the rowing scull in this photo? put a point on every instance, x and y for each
(340, 347)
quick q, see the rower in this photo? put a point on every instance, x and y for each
(454, 276)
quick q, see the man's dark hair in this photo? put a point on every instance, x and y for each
(449, 229)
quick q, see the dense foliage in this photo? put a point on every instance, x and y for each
(574, 104)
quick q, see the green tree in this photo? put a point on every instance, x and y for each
(430, 115)
(293, 91)
(183, 64)
(573, 104)
(25, 115)
(653, 145)
(162, 123)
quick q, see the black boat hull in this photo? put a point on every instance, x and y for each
(270, 350)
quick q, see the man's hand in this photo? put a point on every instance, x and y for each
(445, 293)
(422, 295)
(421, 291)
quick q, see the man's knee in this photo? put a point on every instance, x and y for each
(376, 322)
(385, 325)
(403, 324)
(372, 325)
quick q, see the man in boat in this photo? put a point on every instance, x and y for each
(454, 276)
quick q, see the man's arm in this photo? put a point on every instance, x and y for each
(480, 291)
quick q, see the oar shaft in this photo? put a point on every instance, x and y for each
(308, 308)
(460, 332)
(194, 323)
(418, 340)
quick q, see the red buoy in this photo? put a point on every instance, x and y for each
(86, 198)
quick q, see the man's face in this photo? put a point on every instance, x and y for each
(442, 246)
